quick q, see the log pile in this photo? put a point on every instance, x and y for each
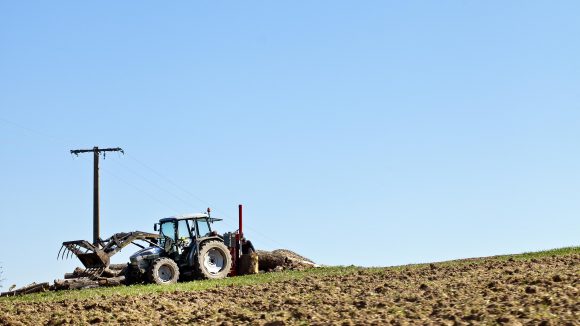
(83, 279)
(30, 288)
(282, 259)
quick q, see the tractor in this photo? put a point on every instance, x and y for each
(186, 248)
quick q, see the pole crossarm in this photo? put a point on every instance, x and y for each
(96, 149)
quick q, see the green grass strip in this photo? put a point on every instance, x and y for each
(262, 278)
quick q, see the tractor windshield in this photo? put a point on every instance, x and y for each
(167, 230)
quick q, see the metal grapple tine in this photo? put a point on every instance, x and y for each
(72, 251)
(57, 255)
(64, 252)
(93, 272)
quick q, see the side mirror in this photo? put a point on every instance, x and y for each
(155, 227)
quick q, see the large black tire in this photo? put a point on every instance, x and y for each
(163, 271)
(132, 275)
(213, 260)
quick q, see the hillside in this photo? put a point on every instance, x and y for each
(533, 288)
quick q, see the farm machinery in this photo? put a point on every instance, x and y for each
(186, 247)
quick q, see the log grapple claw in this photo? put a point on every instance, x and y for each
(97, 257)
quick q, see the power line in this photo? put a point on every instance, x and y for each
(108, 172)
(62, 143)
(151, 182)
(163, 189)
(168, 180)
(35, 132)
(263, 236)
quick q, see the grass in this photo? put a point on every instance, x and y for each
(186, 286)
(522, 256)
(136, 290)
(543, 253)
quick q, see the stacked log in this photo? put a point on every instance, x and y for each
(75, 284)
(82, 279)
(30, 288)
(281, 259)
(112, 281)
(268, 260)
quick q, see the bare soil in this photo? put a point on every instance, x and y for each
(490, 291)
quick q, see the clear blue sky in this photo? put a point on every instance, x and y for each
(355, 132)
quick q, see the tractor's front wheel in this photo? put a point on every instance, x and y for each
(132, 275)
(163, 271)
(213, 261)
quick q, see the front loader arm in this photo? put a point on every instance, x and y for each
(98, 256)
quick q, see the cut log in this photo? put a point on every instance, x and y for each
(282, 259)
(293, 256)
(249, 264)
(269, 260)
(117, 267)
(112, 272)
(42, 287)
(78, 272)
(68, 276)
(112, 281)
(31, 288)
(75, 283)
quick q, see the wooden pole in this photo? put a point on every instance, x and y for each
(96, 217)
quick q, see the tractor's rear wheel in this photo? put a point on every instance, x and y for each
(213, 261)
(163, 271)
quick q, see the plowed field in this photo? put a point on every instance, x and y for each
(537, 289)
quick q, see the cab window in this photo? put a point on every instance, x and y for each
(203, 228)
(183, 230)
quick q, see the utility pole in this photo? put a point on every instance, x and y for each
(96, 152)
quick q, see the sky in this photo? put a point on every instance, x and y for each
(371, 133)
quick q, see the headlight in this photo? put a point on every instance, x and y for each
(136, 259)
(143, 264)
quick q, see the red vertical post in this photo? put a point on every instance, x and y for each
(240, 221)
(237, 253)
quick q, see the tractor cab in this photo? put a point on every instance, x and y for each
(179, 233)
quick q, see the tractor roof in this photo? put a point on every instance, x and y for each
(196, 216)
